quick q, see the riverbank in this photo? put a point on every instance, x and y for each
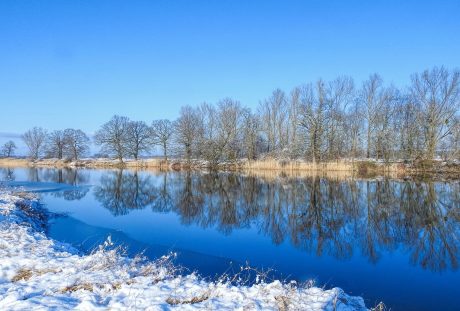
(85, 163)
(362, 167)
(40, 273)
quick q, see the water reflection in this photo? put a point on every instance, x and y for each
(122, 191)
(72, 177)
(326, 216)
(7, 174)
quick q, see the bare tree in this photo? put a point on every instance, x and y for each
(222, 136)
(251, 138)
(77, 143)
(55, 144)
(339, 93)
(410, 142)
(273, 114)
(187, 129)
(386, 123)
(437, 93)
(113, 137)
(372, 103)
(35, 140)
(139, 139)
(210, 149)
(354, 126)
(294, 140)
(320, 121)
(230, 117)
(162, 131)
(313, 116)
(8, 149)
(454, 140)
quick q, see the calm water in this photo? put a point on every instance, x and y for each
(385, 240)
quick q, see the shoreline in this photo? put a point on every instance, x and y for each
(360, 168)
(38, 272)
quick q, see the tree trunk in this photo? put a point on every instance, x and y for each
(368, 153)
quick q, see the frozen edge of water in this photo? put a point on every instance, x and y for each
(37, 272)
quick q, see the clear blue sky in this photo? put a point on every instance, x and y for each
(76, 63)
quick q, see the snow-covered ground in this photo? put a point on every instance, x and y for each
(37, 272)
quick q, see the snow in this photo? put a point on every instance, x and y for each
(39, 273)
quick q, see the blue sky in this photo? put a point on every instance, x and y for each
(76, 63)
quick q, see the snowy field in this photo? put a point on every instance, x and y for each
(38, 273)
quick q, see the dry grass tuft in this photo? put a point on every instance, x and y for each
(26, 273)
(116, 286)
(379, 307)
(196, 299)
(30, 212)
(25, 195)
(22, 274)
(77, 287)
(283, 302)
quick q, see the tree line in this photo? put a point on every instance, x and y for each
(320, 121)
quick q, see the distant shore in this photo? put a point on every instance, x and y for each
(360, 167)
(84, 163)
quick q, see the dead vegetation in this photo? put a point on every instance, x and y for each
(22, 275)
(85, 163)
(25, 274)
(295, 165)
(283, 302)
(14, 162)
(32, 213)
(192, 300)
(346, 167)
(379, 307)
(77, 287)
(110, 258)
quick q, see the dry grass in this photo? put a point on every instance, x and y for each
(283, 303)
(77, 287)
(25, 195)
(31, 212)
(336, 169)
(26, 273)
(22, 275)
(148, 163)
(196, 299)
(116, 286)
(13, 162)
(379, 307)
(293, 165)
(287, 166)
(88, 163)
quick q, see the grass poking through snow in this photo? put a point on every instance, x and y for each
(37, 272)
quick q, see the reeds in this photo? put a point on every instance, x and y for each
(295, 165)
(344, 166)
(14, 162)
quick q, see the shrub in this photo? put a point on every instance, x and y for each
(365, 167)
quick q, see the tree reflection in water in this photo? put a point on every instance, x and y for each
(72, 177)
(121, 191)
(7, 174)
(322, 215)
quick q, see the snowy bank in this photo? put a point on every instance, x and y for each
(37, 272)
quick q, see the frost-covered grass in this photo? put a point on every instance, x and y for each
(37, 272)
